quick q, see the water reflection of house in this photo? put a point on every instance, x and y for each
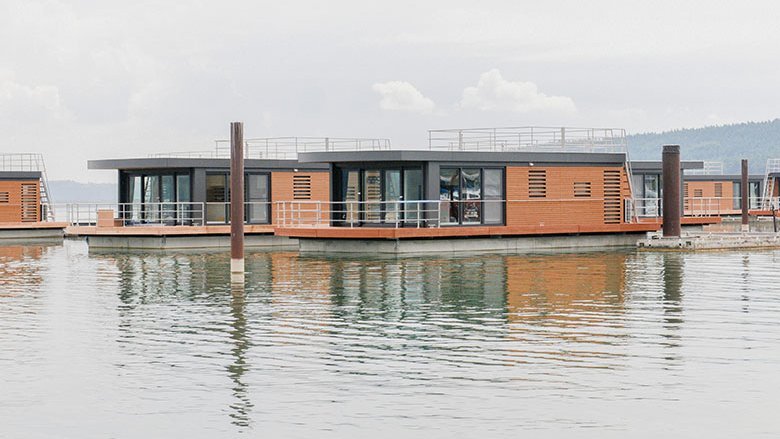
(15, 274)
(565, 286)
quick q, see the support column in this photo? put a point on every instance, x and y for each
(237, 198)
(745, 196)
(671, 186)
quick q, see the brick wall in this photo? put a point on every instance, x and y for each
(565, 201)
(19, 201)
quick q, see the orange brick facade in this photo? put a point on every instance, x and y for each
(306, 187)
(20, 201)
(564, 201)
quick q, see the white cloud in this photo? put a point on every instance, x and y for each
(30, 102)
(402, 96)
(494, 93)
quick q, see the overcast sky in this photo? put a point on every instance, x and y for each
(83, 80)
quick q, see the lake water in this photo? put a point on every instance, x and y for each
(160, 345)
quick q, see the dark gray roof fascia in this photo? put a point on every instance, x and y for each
(656, 165)
(174, 163)
(20, 175)
(460, 156)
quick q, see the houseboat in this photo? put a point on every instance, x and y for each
(707, 191)
(470, 190)
(26, 211)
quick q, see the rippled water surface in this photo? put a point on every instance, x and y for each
(148, 345)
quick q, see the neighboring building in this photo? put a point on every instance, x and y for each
(25, 208)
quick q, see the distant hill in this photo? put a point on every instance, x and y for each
(755, 141)
(67, 191)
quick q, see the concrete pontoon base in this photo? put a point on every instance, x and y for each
(20, 234)
(498, 244)
(183, 242)
(710, 242)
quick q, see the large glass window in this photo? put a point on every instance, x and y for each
(168, 197)
(350, 187)
(651, 195)
(737, 187)
(413, 190)
(472, 195)
(183, 196)
(135, 196)
(392, 195)
(449, 195)
(755, 194)
(257, 198)
(151, 198)
(494, 194)
(217, 197)
(372, 195)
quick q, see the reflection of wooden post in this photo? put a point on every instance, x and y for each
(745, 196)
(237, 198)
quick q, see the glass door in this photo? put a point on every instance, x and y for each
(372, 196)
(413, 191)
(472, 195)
(392, 196)
(257, 197)
(449, 194)
(217, 197)
(151, 204)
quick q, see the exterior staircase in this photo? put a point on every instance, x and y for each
(772, 167)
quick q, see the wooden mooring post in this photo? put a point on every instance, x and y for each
(745, 195)
(237, 199)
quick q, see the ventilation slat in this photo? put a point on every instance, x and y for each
(612, 197)
(537, 183)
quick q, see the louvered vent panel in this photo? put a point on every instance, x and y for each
(686, 199)
(582, 189)
(301, 187)
(719, 190)
(5, 197)
(537, 183)
(29, 202)
(698, 193)
(612, 197)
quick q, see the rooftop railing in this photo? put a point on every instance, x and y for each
(285, 148)
(21, 162)
(710, 168)
(541, 139)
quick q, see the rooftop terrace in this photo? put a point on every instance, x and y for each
(504, 139)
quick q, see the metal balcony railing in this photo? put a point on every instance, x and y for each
(541, 139)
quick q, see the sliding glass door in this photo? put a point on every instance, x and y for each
(471, 196)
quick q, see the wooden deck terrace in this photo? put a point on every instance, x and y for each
(329, 232)
(163, 230)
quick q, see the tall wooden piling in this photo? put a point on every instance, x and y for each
(745, 196)
(237, 198)
(671, 185)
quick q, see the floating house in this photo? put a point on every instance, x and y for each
(485, 189)
(494, 189)
(25, 208)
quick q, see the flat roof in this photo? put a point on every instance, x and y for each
(184, 163)
(657, 165)
(462, 156)
(20, 175)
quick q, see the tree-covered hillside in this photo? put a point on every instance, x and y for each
(755, 141)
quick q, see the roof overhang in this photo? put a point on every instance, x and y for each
(566, 158)
(185, 163)
(20, 175)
